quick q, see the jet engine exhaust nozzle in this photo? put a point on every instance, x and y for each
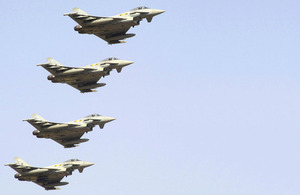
(50, 77)
(35, 132)
(77, 28)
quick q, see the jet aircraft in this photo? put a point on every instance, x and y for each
(67, 134)
(111, 29)
(83, 78)
(47, 177)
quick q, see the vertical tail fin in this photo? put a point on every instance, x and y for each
(79, 11)
(53, 62)
(19, 161)
(38, 117)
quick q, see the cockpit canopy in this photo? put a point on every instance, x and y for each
(142, 7)
(73, 160)
(112, 58)
(93, 115)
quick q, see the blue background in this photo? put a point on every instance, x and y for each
(210, 105)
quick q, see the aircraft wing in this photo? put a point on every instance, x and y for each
(86, 84)
(21, 168)
(85, 19)
(70, 140)
(40, 124)
(39, 170)
(57, 69)
(114, 35)
(49, 182)
(88, 20)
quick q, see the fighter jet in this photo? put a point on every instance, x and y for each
(47, 177)
(67, 134)
(84, 78)
(111, 29)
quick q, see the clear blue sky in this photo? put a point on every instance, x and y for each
(210, 106)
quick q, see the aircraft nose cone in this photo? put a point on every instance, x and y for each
(107, 119)
(126, 63)
(158, 11)
(129, 62)
(87, 164)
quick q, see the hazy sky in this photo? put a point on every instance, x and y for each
(210, 105)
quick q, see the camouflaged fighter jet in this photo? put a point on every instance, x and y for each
(83, 78)
(111, 29)
(67, 134)
(47, 177)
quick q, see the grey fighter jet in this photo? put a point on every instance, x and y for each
(47, 177)
(67, 134)
(83, 78)
(112, 29)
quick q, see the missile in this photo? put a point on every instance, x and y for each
(60, 78)
(54, 127)
(52, 185)
(35, 172)
(92, 86)
(101, 21)
(77, 141)
(70, 72)
(120, 37)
